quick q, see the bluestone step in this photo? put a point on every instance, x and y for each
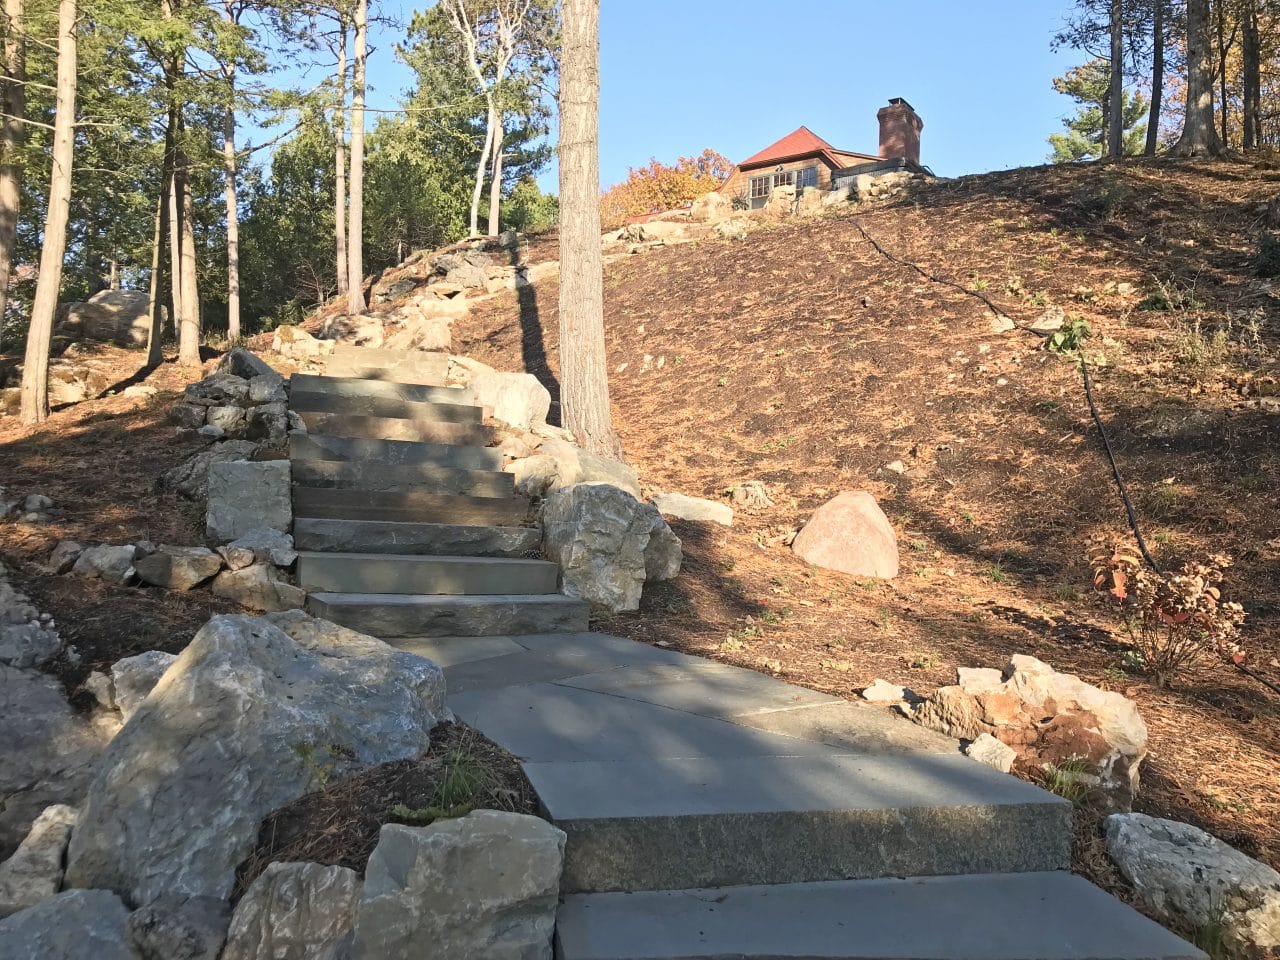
(1029, 916)
(395, 428)
(375, 387)
(409, 507)
(823, 815)
(396, 452)
(393, 615)
(410, 368)
(425, 539)
(304, 401)
(386, 573)
(371, 475)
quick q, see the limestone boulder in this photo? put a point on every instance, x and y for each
(696, 509)
(237, 727)
(534, 475)
(297, 344)
(517, 399)
(483, 885)
(242, 363)
(735, 228)
(75, 925)
(1047, 718)
(106, 562)
(265, 545)
(295, 910)
(179, 928)
(781, 203)
(710, 207)
(247, 495)
(63, 557)
(575, 465)
(178, 568)
(191, 477)
(34, 873)
(850, 534)
(360, 331)
(607, 544)
(47, 753)
(987, 749)
(110, 316)
(133, 679)
(259, 587)
(219, 389)
(1184, 875)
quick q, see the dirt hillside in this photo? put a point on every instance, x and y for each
(802, 357)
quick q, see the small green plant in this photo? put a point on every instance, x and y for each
(1210, 934)
(1039, 299)
(1068, 779)
(923, 661)
(1171, 296)
(1070, 337)
(998, 574)
(1066, 593)
(465, 782)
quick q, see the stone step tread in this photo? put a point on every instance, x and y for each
(407, 372)
(378, 387)
(1029, 916)
(388, 355)
(356, 504)
(408, 574)
(395, 452)
(422, 539)
(311, 401)
(428, 615)
(396, 428)
(414, 478)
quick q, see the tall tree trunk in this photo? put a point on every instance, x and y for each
(1199, 138)
(174, 203)
(340, 162)
(154, 308)
(14, 103)
(35, 370)
(1157, 77)
(1115, 89)
(233, 213)
(482, 166)
(495, 180)
(1222, 71)
(584, 377)
(355, 219)
(189, 335)
(1252, 77)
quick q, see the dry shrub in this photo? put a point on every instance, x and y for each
(1176, 620)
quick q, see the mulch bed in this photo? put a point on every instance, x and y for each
(339, 824)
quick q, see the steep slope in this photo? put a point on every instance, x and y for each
(803, 358)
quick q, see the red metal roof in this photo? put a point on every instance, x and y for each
(800, 143)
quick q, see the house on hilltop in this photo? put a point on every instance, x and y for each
(803, 160)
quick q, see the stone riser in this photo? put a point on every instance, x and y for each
(428, 616)
(302, 401)
(409, 507)
(394, 452)
(379, 387)
(375, 573)
(667, 853)
(392, 428)
(358, 475)
(426, 539)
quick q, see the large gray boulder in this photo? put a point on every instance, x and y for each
(1183, 874)
(684, 507)
(483, 885)
(575, 465)
(47, 753)
(258, 587)
(517, 399)
(112, 316)
(248, 495)
(133, 679)
(179, 928)
(191, 477)
(34, 873)
(106, 562)
(240, 362)
(178, 568)
(607, 544)
(238, 726)
(76, 925)
(296, 911)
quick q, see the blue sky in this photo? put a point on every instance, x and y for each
(680, 76)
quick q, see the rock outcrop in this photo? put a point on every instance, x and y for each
(243, 722)
(34, 873)
(110, 316)
(295, 910)
(75, 925)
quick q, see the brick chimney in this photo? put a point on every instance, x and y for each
(900, 128)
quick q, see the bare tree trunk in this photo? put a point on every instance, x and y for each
(154, 351)
(189, 334)
(1199, 138)
(495, 181)
(340, 162)
(1222, 72)
(174, 203)
(1115, 90)
(355, 224)
(14, 102)
(1252, 77)
(482, 166)
(584, 377)
(233, 213)
(35, 370)
(1157, 77)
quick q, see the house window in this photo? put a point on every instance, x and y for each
(808, 178)
(759, 187)
(786, 178)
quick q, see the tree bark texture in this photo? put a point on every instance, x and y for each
(1199, 138)
(14, 102)
(1157, 77)
(355, 218)
(1115, 89)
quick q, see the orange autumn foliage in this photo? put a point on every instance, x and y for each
(658, 186)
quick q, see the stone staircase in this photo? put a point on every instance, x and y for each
(406, 525)
(712, 812)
